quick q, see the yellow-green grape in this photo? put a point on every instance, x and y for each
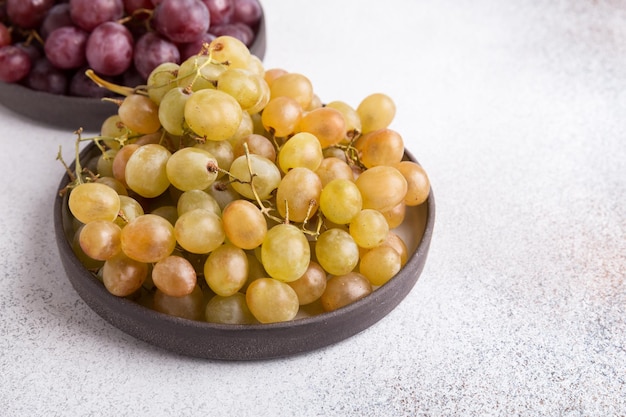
(380, 147)
(100, 239)
(294, 85)
(327, 124)
(350, 116)
(129, 210)
(369, 228)
(113, 130)
(139, 114)
(230, 50)
(226, 270)
(316, 103)
(301, 150)
(119, 188)
(343, 290)
(145, 172)
(380, 264)
(256, 144)
(148, 238)
(266, 176)
(174, 275)
(285, 253)
(376, 111)
(417, 180)
(336, 251)
(272, 73)
(161, 80)
(382, 187)
(104, 164)
(172, 111)
(242, 85)
(244, 224)
(223, 192)
(256, 67)
(222, 151)
(197, 199)
(199, 231)
(198, 73)
(298, 194)
(272, 301)
(168, 212)
(213, 114)
(123, 276)
(281, 116)
(340, 201)
(310, 286)
(91, 201)
(191, 169)
(394, 241)
(395, 216)
(190, 307)
(246, 127)
(232, 309)
(334, 168)
(264, 98)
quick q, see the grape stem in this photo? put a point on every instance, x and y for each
(119, 89)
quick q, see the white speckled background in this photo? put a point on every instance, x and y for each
(518, 112)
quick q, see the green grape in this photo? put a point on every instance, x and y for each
(113, 129)
(382, 187)
(91, 201)
(145, 171)
(100, 239)
(129, 210)
(350, 116)
(369, 228)
(255, 66)
(246, 127)
(198, 73)
(104, 166)
(336, 251)
(118, 167)
(298, 194)
(148, 238)
(340, 201)
(376, 111)
(174, 275)
(139, 114)
(190, 307)
(417, 180)
(343, 290)
(285, 252)
(232, 309)
(222, 151)
(119, 188)
(161, 80)
(191, 169)
(301, 150)
(266, 176)
(327, 124)
(123, 276)
(242, 85)
(167, 212)
(213, 114)
(244, 224)
(256, 144)
(281, 116)
(334, 168)
(272, 301)
(197, 199)
(295, 86)
(380, 264)
(199, 231)
(226, 270)
(380, 147)
(172, 111)
(310, 286)
(231, 50)
(264, 98)
(223, 192)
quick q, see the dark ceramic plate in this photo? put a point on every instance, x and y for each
(246, 342)
(69, 112)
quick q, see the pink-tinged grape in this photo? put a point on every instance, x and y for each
(181, 21)
(301, 150)
(376, 111)
(382, 187)
(295, 86)
(199, 231)
(148, 238)
(151, 50)
(236, 30)
(380, 264)
(256, 144)
(340, 201)
(281, 116)
(118, 167)
(101, 239)
(230, 50)
(213, 114)
(175, 276)
(191, 169)
(332, 168)
(65, 47)
(226, 270)
(266, 176)
(190, 307)
(47, 78)
(272, 301)
(87, 261)
(139, 114)
(88, 14)
(220, 11)
(28, 14)
(92, 201)
(145, 171)
(343, 290)
(326, 123)
(109, 49)
(336, 251)
(298, 194)
(244, 224)
(310, 286)
(247, 11)
(123, 276)
(380, 147)
(197, 199)
(417, 181)
(232, 309)
(369, 228)
(285, 253)
(15, 64)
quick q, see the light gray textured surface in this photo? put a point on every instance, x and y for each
(518, 112)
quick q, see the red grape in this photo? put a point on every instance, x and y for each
(28, 14)
(181, 21)
(248, 12)
(109, 49)
(45, 77)
(193, 48)
(5, 35)
(152, 50)
(14, 64)
(131, 6)
(236, 30)
(88, 14)
(58, 16)
(65, 47)
(220, 11)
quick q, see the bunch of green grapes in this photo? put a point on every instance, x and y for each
(229, 193)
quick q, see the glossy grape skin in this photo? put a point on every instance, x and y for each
(285, 252)
(226, 270)
(187, 169)
(232, 309)
(129, 210)
(148, 238)
(396, 215)
(376, 111)
(281, 116)
(93, 201)
(380, 264)
(139, 114)
(336, 251)
(231, 50)
(301, 150)
(15, 64)
(88, 14)
(118, 167)
(199, 231)
(326, 123)
(369, 228)
(28, 14)
(341, 201)
(382, 187)
(197, 199)
(295, 86)
(247, 11)
(244, 224)
(145, 172)
(272, 301)
(213, 114)
(172, 111)
(123, 276)
(343, 290)
(256, 144)
(266, 180)
(298, 194)
(220, 11)
(100, 239)
(418, 182)
(181, 21)
(311, 285)
(109, 49)
(380, 147)
(65, 47)
(174, 275)
(161, 80)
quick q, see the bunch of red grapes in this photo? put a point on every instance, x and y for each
(47, 45)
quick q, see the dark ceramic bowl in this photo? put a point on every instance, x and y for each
(245, 342)
(70, 112)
